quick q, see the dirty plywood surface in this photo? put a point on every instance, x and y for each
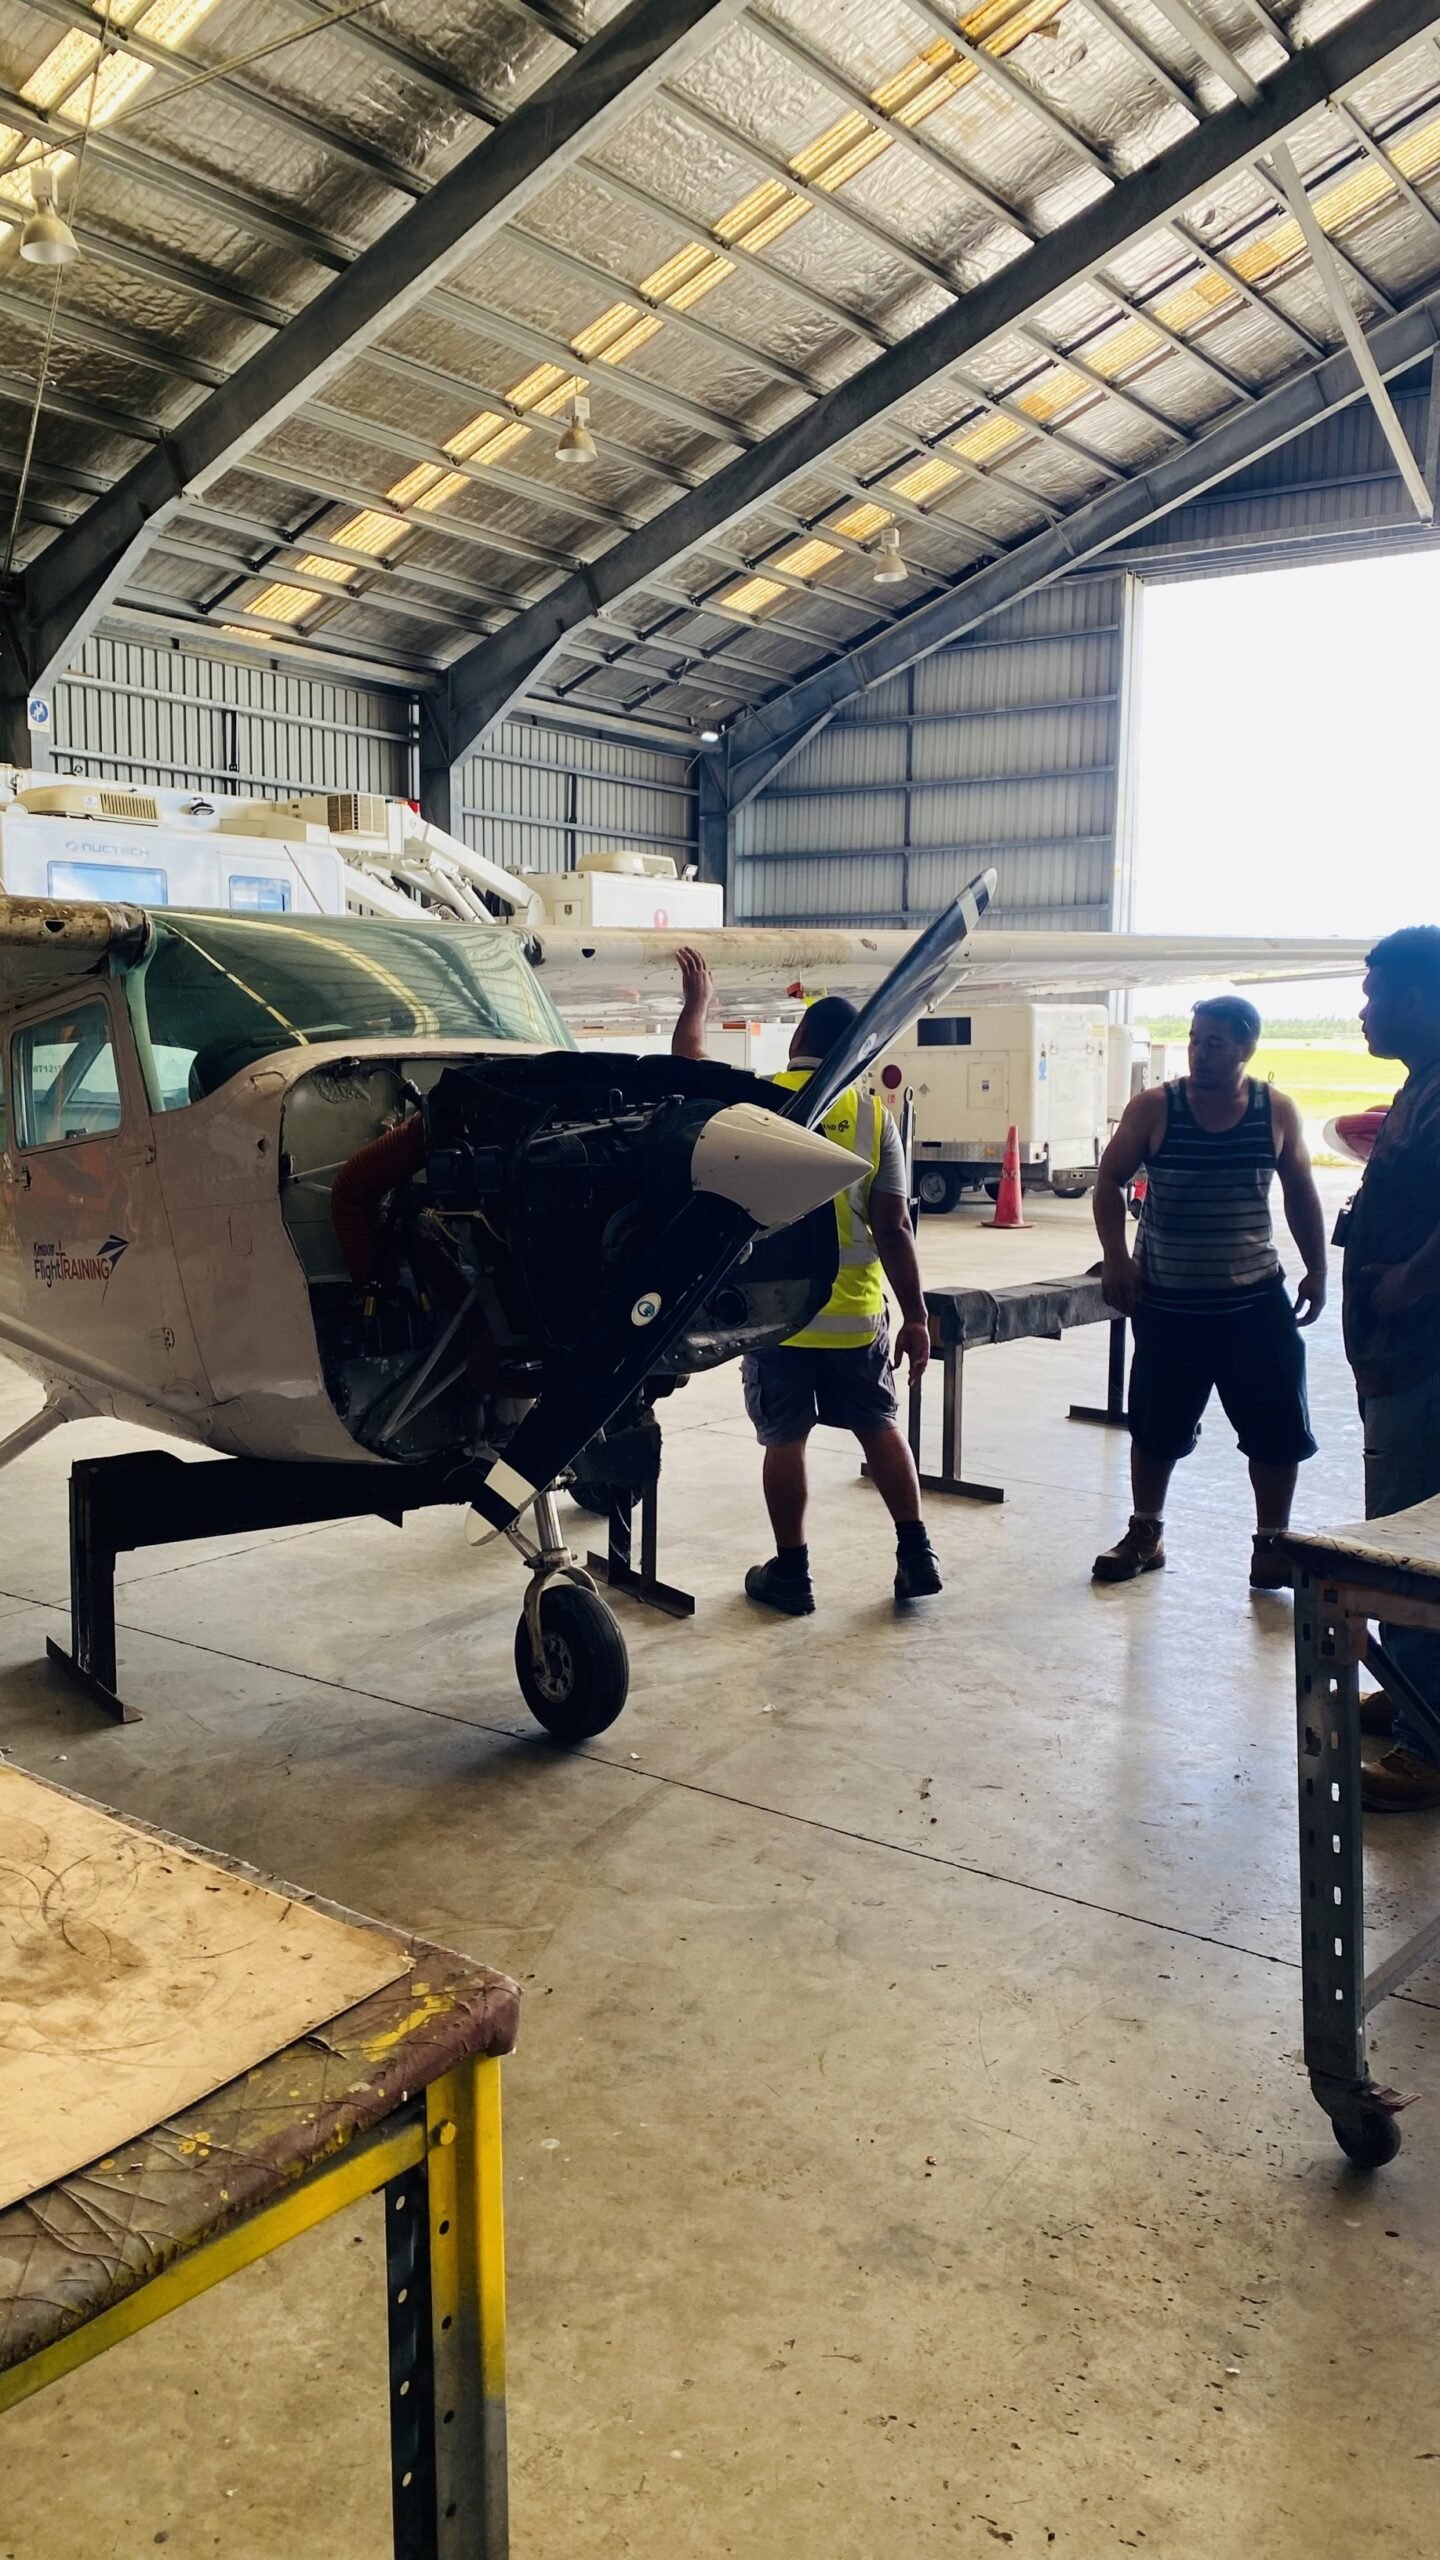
(1404, 1541)
(137, 1976)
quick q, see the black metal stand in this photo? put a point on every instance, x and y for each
(1111, 1413)
(617, 1568)
(155, 1500)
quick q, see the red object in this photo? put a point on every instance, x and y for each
(891, 1077)
(1008, 1211)
(361, 1188)
(1357, 1131)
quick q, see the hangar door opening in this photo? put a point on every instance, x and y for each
(1286, 781)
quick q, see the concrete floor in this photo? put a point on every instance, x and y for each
(908, 2149)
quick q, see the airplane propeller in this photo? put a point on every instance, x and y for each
(670, 1278)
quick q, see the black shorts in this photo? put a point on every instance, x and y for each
(1254, 1359)
(788, 1391)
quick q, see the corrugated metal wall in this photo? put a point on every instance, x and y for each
(1001, 750)
(131, 712)
(540, 795)
(1329, 493)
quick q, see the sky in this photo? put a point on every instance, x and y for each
(1289, 758)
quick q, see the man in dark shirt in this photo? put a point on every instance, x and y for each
(1392, 1326)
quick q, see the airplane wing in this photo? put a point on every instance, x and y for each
(615, 971)
(47, 943)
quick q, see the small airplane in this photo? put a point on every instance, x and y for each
(193, 1106)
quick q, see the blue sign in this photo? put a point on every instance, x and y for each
(37, 715)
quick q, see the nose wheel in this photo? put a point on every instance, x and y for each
(576, 1680)
(570, 1657)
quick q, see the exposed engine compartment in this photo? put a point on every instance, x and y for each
(464, 1226)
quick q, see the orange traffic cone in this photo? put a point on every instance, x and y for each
(1008, 1211)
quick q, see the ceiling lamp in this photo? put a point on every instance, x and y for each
(577, 443)
(889, 569)
(47, 239)
(709, 731)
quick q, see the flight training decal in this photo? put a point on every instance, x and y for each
(53, 1263)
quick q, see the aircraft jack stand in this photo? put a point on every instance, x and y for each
(616, 1567)
(154, 1500)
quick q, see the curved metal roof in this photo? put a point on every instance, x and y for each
(718, 222)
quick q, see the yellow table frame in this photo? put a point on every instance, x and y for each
(437, 2165)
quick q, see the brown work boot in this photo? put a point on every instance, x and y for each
(1269, 1569)
(1141, 1550)
(1377, 1713)
(1401, 1783)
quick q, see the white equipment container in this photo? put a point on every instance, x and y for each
(152, 848)
(1168, 1060)
(1039, 1067)
(1127, 1066)
(627, 889)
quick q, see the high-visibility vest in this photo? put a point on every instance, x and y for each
(850, 1314)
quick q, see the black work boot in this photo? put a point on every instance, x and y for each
(777, 1586)
(917, 1567)
(1141, 1550)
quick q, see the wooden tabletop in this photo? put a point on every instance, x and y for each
(1402, 1548)
(74, 2248)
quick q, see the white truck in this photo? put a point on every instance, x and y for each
(1039, 1068)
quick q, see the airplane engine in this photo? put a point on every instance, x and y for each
(531, 1186)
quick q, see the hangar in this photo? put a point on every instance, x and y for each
(733, 448)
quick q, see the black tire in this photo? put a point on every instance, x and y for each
(1369, 2138)
(587, 1675)
(587, 1495)
(936, 1189)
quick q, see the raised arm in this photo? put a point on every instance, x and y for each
(697, 989)
(1304, 1215)
(1138, 1132)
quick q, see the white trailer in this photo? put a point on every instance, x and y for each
(1039, 1068)
(1129, 1067)
(153, 848)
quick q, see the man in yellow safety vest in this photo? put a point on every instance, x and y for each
(837, 1371)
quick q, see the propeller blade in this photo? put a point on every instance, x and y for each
(913, 983)
(751, 1170)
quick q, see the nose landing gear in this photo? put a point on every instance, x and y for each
(570, 1657)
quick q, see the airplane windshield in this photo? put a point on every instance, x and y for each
(214, 993)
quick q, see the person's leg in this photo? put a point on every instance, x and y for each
(783, 1477)
(892, 1470)
(1149, 1482)
(1169, 1388)
(855, 1391)
(1260, 1376)
(780, 1400)
(1402, 1466)
(1274, 1489)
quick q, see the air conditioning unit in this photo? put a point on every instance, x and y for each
(348, 813)
(91, 800)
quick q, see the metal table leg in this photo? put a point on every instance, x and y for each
(950, 1479)
(1112, 1412)
(1332, 1883)
(445, 2269)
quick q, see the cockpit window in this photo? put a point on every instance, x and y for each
(216, 992)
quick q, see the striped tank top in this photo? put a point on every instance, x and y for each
(1206, 1244)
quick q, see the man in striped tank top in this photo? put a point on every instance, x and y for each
(1205, 1289)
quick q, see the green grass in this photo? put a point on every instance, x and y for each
(1326, 1078)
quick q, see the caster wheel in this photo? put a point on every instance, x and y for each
(1368, 2138)
(586, 1675)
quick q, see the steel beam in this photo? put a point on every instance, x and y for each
(765, 739)
(576, 110)
(486, 680)
(1322, 259)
